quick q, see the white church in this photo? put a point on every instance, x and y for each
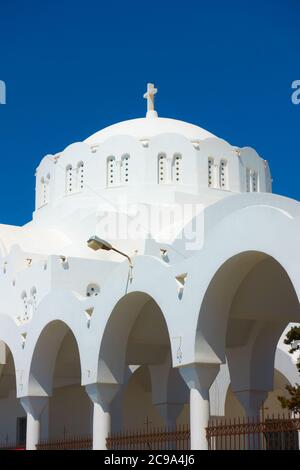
(152, 285)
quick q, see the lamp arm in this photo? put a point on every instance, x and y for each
(123, 254)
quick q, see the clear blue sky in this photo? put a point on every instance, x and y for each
(74, 67)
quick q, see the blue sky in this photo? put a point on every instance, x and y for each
(74, 67)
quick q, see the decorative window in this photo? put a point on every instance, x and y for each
(80, 176)
(69, 180)
(33, 294)
(111, 171)
(125, 169)
(248, 177)
(44, 190)
(251, 181)
(210, 172)
(25, 305)
(223, 174)
(177, 168)
(162, 169)
(254, 181)
(31, 303)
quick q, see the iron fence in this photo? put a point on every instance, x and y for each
(74, 443)
(155, 438)
(12, 446)
(272, 433)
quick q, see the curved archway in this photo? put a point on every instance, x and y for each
(247, 305)
(264, 276)
(56, 372)
(122, 342)
(135, 352)
(13, 416)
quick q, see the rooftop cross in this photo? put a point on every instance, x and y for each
(149, 96)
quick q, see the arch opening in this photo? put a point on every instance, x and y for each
(247, 306)
(56, 372)
(13, 416)
(136, 353)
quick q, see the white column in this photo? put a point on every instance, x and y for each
(252, 401)
(101, 396)
(101, 426)
(34, 407)
(199, 378)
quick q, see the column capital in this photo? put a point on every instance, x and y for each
(34, 404)
(102, 393)
(199, 375)
(251, 400)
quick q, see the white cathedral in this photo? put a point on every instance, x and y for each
(153, 283)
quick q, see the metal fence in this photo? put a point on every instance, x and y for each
(74, 443)
(272, 433)
(12, 446)
(155, 438)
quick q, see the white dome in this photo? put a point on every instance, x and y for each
(145, 128)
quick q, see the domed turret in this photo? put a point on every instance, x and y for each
(150, 159)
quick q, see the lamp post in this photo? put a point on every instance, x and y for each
(96, 243)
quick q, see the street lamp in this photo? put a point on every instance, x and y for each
(96, 243)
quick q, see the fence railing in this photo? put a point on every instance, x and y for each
(12, 446)
(155, 438)
(74, 443)
(273, 433)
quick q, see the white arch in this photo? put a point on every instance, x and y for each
(11, 337)
(58, 313)
(277, 236)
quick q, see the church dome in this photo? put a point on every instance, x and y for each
(148, 127)
(150, 158)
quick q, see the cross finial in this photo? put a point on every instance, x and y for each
(149, 96)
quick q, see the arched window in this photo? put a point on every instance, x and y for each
(248, 176)
(80, 176)
(44, 190)
(31, 302)
(177, 168)
(33, 293)
(211, 172)
(111, 171)
(162, 169)
(254, 181)
(69, 180)
(223, 174)
(125, 169)
(25, 306)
